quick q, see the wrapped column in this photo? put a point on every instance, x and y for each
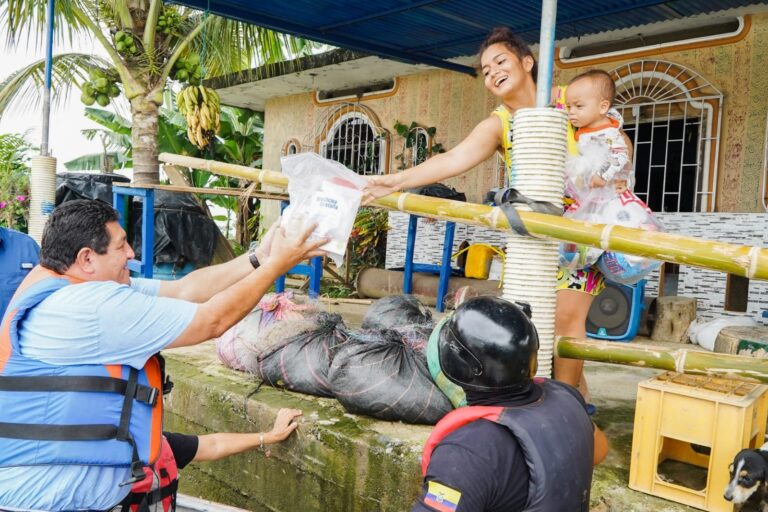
(530, 273)
(42, 194)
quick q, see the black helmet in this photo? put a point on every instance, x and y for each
(489, 344)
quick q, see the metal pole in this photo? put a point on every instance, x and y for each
(48, 71)
(546, 52)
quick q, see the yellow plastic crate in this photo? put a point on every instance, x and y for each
(696, 421)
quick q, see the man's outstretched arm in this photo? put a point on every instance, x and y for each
(202, 284)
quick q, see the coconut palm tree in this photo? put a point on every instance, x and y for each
(239, 142)
(147, 43)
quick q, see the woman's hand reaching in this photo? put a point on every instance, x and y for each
(380, 186)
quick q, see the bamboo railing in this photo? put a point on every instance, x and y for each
(743, 260)
(681, 360)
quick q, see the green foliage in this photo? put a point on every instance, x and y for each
(417, 143)
(366, 248)
(368, 240)
(147, 43)
(334, 290)
(239, 142)
(15, 152)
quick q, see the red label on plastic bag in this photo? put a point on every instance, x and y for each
(342, 182)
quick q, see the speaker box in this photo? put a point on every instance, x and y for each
(615, 313)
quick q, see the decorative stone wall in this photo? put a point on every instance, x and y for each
(707, 286)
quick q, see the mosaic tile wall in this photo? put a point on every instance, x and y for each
(707, 286)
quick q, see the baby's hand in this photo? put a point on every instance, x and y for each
(596, 181)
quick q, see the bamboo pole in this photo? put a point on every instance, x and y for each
(743, 260)
(648, 356)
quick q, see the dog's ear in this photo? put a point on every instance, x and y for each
(730, 468)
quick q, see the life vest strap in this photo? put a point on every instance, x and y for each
(80, 384)
(151, 497)
(33, 432)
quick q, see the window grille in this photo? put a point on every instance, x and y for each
(351, 134)
(420, 146)
(291, 147)
(672, 115)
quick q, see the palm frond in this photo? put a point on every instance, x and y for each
(109, 120)
(25, 22)
(112, 141)
(120, 11)
(228, 46)
(92, 162)
(24, 86)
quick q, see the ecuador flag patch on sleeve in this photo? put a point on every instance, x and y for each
(441, 497)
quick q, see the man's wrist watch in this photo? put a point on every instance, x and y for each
(253, 259)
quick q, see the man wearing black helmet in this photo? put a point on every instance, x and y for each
(523, 444)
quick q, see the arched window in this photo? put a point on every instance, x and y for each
(420, 146)
(291, 147)
(355, 139)
(672, 115)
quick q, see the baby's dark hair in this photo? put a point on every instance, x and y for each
(603, 81)
(514, 43)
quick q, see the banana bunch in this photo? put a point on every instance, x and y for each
(201, 107)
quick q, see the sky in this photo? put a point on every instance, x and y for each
(65, 140)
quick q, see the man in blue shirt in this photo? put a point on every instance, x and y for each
(18, 255)
(79, 319)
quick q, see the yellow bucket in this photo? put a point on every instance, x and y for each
(479, 258)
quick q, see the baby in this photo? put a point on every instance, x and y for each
(604, 156)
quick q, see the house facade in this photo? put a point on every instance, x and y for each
(693, 93)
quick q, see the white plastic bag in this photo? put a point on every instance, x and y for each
(579, 170)
(705, 334)
(630, 211)
(324, 192)
(588, 208)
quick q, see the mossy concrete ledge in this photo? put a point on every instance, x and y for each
(337, 462)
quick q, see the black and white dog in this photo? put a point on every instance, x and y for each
(749, 471)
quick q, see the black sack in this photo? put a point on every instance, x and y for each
(183, 231)
(377, 374)
(397, 311)
(80, 185)
(302, 362)
(439, 190)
